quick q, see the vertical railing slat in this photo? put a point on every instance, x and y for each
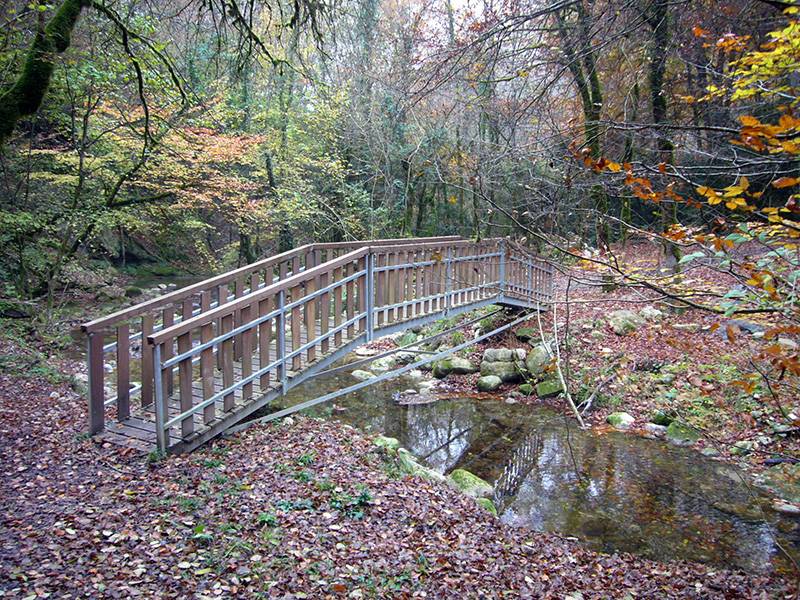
(207, 360)
(338, 275)
(123, 371)
(226, 352)
(96, 374)
(296, 328)
(147, 361)
(185, 384)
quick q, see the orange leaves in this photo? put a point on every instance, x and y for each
(699, 32)
(784, 182)
(763, 137)
(732, 43)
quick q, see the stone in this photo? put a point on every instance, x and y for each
(650, 313)
(386, 363)
(427, 386)
(406, 339)
(132, 291)
(709, 452)
(786, 508)
(487, 504)
(661, 417)
(409, 464)
(364, 351)
(508, 372)
(389, 443)
(489, 383)
(666, 378)
(503, 355)
(471, 484)
(655, 431)
(288, 421)
(623, 322)
(410, 392)
(537, 360)
(681, 434)
(414, 374)
(787, 344)
(743, 447)
(690, 327)
(362, 375)
(783, 480)
(453, 364)
(526, 389)
(620, 420)
(548, 388)
(526, 333)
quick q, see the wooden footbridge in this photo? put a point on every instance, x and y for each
(194, 362)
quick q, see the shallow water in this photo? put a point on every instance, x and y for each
(615, 491)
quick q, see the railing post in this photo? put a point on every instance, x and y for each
(370, 265)
(502, 267)
(161, 434)
(530, 279)
(94, 359)
(282, 339)
(448, 283)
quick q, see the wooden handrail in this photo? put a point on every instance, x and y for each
(248, 300)
(178, 295)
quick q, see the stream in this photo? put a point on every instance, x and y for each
(616, 492)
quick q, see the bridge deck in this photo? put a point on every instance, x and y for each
(217, 351)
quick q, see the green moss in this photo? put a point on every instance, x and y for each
(470, 484)
(488, 505)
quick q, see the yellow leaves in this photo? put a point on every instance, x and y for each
(614, 167)
(713, 195)
(784, 182)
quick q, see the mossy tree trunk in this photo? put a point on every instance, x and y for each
(25, 96)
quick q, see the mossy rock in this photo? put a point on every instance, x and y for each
(489, 383)
(783, 480)
(623, 322)
(526, 333)
(408, 338)
(526, 389)
(537, 360)
(471, 484)
(681, 434)
(661, 417)
(487, 504)
(408, 464)
(389, 443)
(455, 365)
(620, 420)
(551, 387)
(503, 355)
(508, 372)
(362, 375)
(132, 291)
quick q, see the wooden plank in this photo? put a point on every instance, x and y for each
(363, 290)
(338, 275)
(380, 287)
(324, 313)
(247, 354)
(207, 360)
(391, 286)
(296, 328)
(238, 292)
(147, 361)
(97, 398)
(350, 301)
(185, 383)
(264, 340)
(310, 317)
(167, 320)
(399, 284)
(123, 371)
(227, 361)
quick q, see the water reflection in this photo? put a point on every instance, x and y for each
(617, 492)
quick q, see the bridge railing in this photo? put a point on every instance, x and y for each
(123, 333)
(287, 326)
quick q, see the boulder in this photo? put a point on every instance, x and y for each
(453, 364)
(389, 443)
(508, 372)
(681, 434)
(406, 339)
(650, 313)
(489, 383)
(710, 452)
(487, 504)
(537, 360)
(548, 388)
(623, 322)
(526, 333)
(503, 355)
(526, 389)
(386, 363)
(620, 420)
(661, 418)
(743, 447)
(655, 431)
(408, 463)
(471, 484)
(362, 375)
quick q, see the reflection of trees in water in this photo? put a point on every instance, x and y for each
(523, 458)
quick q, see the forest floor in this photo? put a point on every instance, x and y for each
(300, 509)
(701, 368)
